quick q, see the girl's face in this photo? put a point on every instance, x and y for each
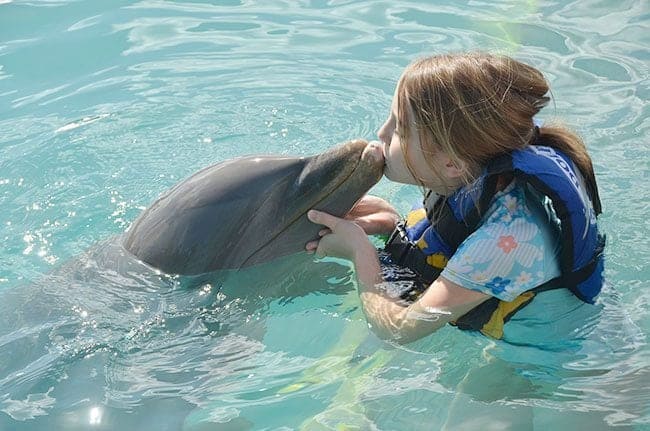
(441, 176)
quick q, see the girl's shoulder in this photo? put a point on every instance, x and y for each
(514, 249)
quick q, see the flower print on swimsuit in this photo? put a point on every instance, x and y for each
(507, 243)
(498, 284)
(523, 278)
(502, 249)
(466, 265)
(511, 203)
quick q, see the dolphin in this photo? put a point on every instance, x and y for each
(250, 210)
(100, 304)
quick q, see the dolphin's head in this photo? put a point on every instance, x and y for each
(332, 182)
(251, 210)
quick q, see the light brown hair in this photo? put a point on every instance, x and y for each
(476, 106)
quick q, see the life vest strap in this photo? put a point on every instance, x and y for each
(450, 230)
(574, 278)
(490, 316)
(405, 252)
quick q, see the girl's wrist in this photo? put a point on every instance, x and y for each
(366, 263)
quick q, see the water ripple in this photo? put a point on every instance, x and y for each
(104, 106)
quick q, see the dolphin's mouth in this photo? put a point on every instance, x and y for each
(312, 205)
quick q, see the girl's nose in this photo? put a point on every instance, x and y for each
(382, 134)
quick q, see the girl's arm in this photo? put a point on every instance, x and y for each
(442, 302)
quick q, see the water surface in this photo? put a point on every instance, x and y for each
(104, 105)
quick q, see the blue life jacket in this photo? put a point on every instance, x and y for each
(428, 237)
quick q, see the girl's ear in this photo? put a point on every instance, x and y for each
(455, 169)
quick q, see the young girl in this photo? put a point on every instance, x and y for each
(509, 219)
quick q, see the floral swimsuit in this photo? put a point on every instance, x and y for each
(515, 249)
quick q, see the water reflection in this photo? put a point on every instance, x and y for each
(95, 416)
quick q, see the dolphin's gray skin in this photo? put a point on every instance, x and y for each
(250, 210)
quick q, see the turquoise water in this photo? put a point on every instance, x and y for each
(105, 104)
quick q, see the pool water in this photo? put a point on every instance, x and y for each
(105, 104)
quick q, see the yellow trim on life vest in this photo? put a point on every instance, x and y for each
(437, 260)
(413, 217)
(494, 327)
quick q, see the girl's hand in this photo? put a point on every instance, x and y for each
(374, 215)
(341, 237)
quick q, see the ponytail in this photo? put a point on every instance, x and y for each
(566, 141)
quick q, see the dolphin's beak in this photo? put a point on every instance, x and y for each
(374, 152)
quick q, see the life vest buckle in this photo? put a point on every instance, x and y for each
(399, 245)
(405, 252)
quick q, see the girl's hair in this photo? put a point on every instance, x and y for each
(476, 106)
